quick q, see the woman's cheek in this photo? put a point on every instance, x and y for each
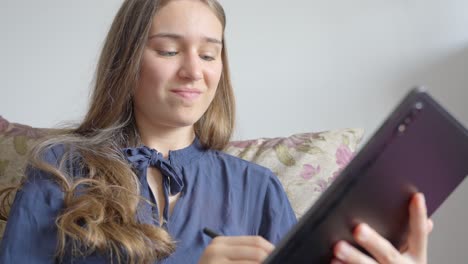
(214, 75)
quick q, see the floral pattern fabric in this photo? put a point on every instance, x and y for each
(306, 164)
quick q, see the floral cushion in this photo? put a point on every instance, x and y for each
(306, 164)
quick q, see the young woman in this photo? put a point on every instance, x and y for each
(143, 174)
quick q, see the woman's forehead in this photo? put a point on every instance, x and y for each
(187, 18)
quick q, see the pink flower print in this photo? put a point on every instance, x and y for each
(321, 186)
(343, 156)
(308, 171)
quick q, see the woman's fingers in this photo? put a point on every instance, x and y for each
(418, 228)
(346, 253)
(239, 249)
(244, 253)
(252, 241)
(430, 226)
(379, 247)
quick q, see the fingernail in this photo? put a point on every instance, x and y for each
(363, 232)
(343, 250)
(422, 199)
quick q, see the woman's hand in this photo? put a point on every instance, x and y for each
(415, 250)
(236, 249)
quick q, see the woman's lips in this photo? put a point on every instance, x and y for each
(187, 93)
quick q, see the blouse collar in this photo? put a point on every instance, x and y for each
(142, 157)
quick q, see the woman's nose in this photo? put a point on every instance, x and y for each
(191, 68)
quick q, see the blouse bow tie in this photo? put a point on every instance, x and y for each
(143, 157)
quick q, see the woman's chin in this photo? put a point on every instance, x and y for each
(184, 122)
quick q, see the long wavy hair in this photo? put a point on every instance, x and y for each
(102, 217)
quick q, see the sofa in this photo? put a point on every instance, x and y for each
(306, 163)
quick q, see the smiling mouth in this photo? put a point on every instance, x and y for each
(190, 94)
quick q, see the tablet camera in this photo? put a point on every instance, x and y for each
(402, 128)
(417, 108)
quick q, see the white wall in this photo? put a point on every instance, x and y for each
(303, 65)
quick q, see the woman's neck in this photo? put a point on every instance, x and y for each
(164, 140)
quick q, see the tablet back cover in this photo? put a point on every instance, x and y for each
(419, 148)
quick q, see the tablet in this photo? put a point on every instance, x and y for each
(419, 148)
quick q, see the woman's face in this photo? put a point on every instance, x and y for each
(181, 66)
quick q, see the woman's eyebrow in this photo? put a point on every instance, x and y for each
(177, 36)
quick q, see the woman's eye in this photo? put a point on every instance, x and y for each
(167, 53)
(207, 58)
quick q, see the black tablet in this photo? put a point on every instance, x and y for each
(419, 148)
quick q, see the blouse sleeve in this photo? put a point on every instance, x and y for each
(278, 216)
(31, 234)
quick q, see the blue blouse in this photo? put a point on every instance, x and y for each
(219, 191)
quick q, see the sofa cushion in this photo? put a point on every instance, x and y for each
(306, 164)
